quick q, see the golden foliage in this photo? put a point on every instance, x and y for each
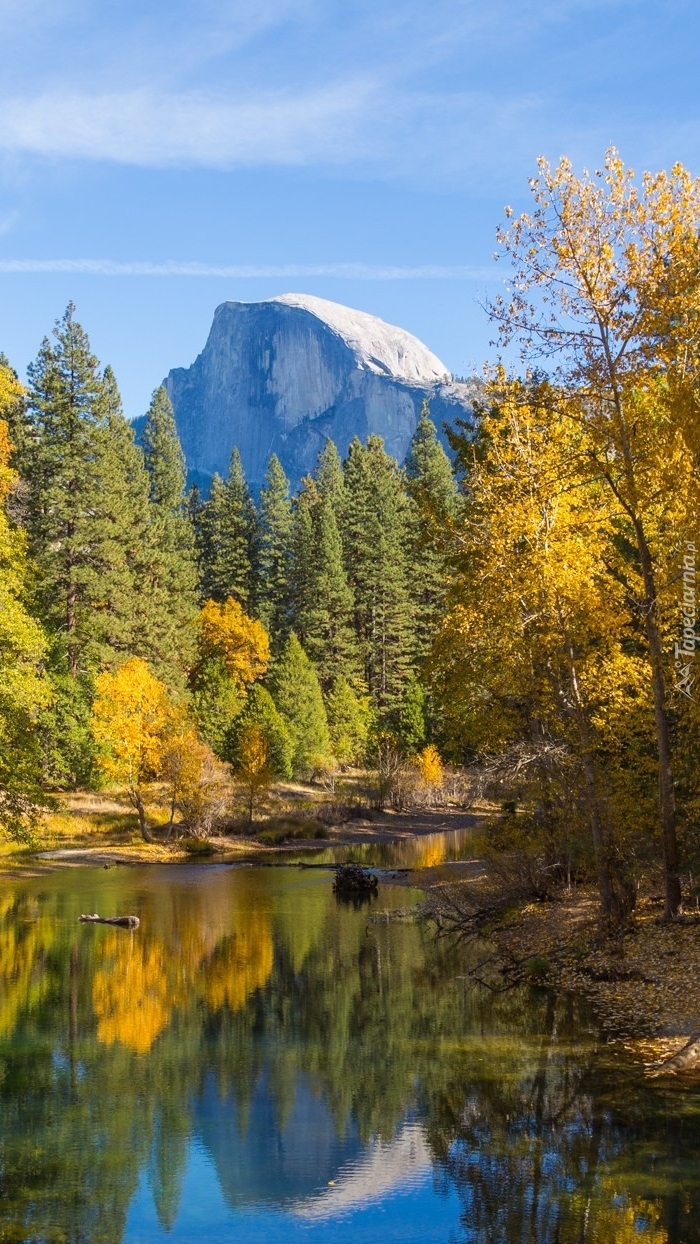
(242, 642)
(429, 766)
(195, 780)
(253, 768)
(129, 720)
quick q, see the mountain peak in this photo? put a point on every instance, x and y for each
(379, 347)
(283, 375)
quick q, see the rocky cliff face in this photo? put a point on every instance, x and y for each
(283, 375)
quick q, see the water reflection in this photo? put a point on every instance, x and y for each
(258, 1059)
(426, 851)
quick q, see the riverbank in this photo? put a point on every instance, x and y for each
(643, 981)
(102, 830)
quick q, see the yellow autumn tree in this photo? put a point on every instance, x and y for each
(429, 767)
(242, 642)
(538, 653)
(253, 768)
(234, 651)
(130, 719)
(605, 280)
(195, 781)
(24, 688)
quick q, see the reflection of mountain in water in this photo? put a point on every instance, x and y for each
(260, 1159)
(382, 1168)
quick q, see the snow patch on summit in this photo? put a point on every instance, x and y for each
(378, 347)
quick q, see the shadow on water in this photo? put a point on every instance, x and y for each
(260, 1062)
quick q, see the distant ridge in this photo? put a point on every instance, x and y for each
(283, 375)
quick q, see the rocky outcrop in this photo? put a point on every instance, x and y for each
(283, 375)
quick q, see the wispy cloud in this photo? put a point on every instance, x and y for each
(445, 91)
(145, 128)
(341, 271)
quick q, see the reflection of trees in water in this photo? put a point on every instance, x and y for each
(535, 1153)
(26, 935)
(108, 1042)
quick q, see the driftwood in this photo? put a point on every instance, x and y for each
(353, 881)
(122, 922)
(686, 1059)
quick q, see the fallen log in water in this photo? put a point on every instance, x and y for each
(353, 880)
(122, 922)
(686, 1059)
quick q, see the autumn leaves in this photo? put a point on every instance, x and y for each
(143, 735)
(582, 488)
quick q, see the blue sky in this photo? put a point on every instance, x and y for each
(157, 158)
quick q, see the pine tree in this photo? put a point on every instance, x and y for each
(59, 459)
(229, 522)
(260, 711)
(329, 475)
(349, 721)
(412, 716)
(272, 592)
(195, 510)
(171, 594)
(297, 695)
(125, 513)
(434, 505)
(375, 531)
(323, 602)
(84, 504)
(165, 460)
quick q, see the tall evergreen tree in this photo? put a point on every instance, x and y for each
(375, 530)
(260, 711)
(272, 592)
(329, 475)
(434, 504)
(84, 503)
(323, 602)
(349, 722)
(59, 459)
(229, 523)
(169, 633)
(126, 515)
(297, 695)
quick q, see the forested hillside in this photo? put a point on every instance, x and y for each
(529, 613)
(301, 624)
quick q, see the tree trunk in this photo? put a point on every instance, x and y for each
(137, 801)
(667, 803)
(667, 808)
(617, 900)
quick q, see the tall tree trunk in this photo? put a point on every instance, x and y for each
(667, 802)
(614, 905)
(649, 605)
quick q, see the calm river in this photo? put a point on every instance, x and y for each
(258, 1063)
